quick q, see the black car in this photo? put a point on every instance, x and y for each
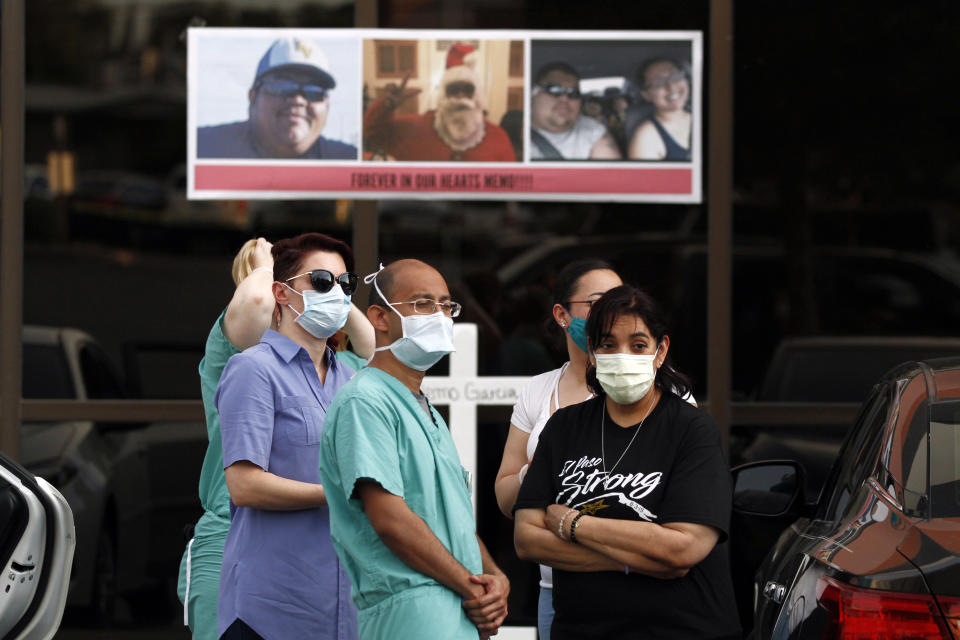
(878, 554)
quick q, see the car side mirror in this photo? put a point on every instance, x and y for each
(769, 488)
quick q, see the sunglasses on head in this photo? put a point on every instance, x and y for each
(289, 88)
(322, 280)
(460, 89)
(557, 90)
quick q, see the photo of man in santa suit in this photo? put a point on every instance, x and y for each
(456, 131)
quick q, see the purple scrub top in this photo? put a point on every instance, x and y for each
(280, 573)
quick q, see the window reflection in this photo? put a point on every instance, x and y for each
(834, 233)
(110, 235)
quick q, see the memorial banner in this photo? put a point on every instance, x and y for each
(497, 115)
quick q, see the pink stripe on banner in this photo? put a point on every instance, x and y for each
(644, 179)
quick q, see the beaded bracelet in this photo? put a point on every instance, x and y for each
(573, 528)
(562, 521)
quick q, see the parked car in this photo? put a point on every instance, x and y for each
(132, 486)
(37, 542)
(825, 369)
(118, 193)
(875, 556)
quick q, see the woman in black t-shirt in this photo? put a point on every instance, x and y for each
(628, 494)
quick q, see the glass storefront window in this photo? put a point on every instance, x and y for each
(845, 216)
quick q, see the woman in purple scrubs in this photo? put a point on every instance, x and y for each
(281, 578)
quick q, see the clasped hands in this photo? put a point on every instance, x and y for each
(488, 606)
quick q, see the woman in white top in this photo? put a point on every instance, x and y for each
(577, 286)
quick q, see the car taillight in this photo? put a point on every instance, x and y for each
(951, 609)
(869, 614)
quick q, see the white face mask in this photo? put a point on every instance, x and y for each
(625, 377)
(426, 338)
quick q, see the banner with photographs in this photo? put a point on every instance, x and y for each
(497, 115)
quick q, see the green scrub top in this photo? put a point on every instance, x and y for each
(351, 359)
(376, 429)
(213, 484)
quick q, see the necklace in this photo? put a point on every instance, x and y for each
(603, 455)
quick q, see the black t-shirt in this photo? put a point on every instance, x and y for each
(674, 471)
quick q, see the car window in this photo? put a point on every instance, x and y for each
(93, 188)
(138, 195)
(945, 460)
(902, 468)
(859, 454)
(162, 370)
(914, 455)
(46, 374)
(98, 375)
(796, 374)
(861, 294)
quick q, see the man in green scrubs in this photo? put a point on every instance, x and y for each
(401, 518)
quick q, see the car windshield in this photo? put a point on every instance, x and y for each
(45, 373)
(945, 459)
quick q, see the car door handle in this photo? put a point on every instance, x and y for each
(774, 591)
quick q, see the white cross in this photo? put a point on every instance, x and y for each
(463, 390)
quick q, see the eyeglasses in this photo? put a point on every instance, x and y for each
(322, 280)
(557, 90)
(465, 89)
(659, 83)
(587, 302)
(427, 306)
(289, 88)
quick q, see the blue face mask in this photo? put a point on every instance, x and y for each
(578, 331)
(323, 313)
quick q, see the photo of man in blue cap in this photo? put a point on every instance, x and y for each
(289, 104)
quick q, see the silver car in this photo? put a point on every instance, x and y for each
(37, 542)
(132, 486)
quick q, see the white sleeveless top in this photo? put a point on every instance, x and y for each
(530, 414)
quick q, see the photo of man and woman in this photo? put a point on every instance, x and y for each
(611, 100)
